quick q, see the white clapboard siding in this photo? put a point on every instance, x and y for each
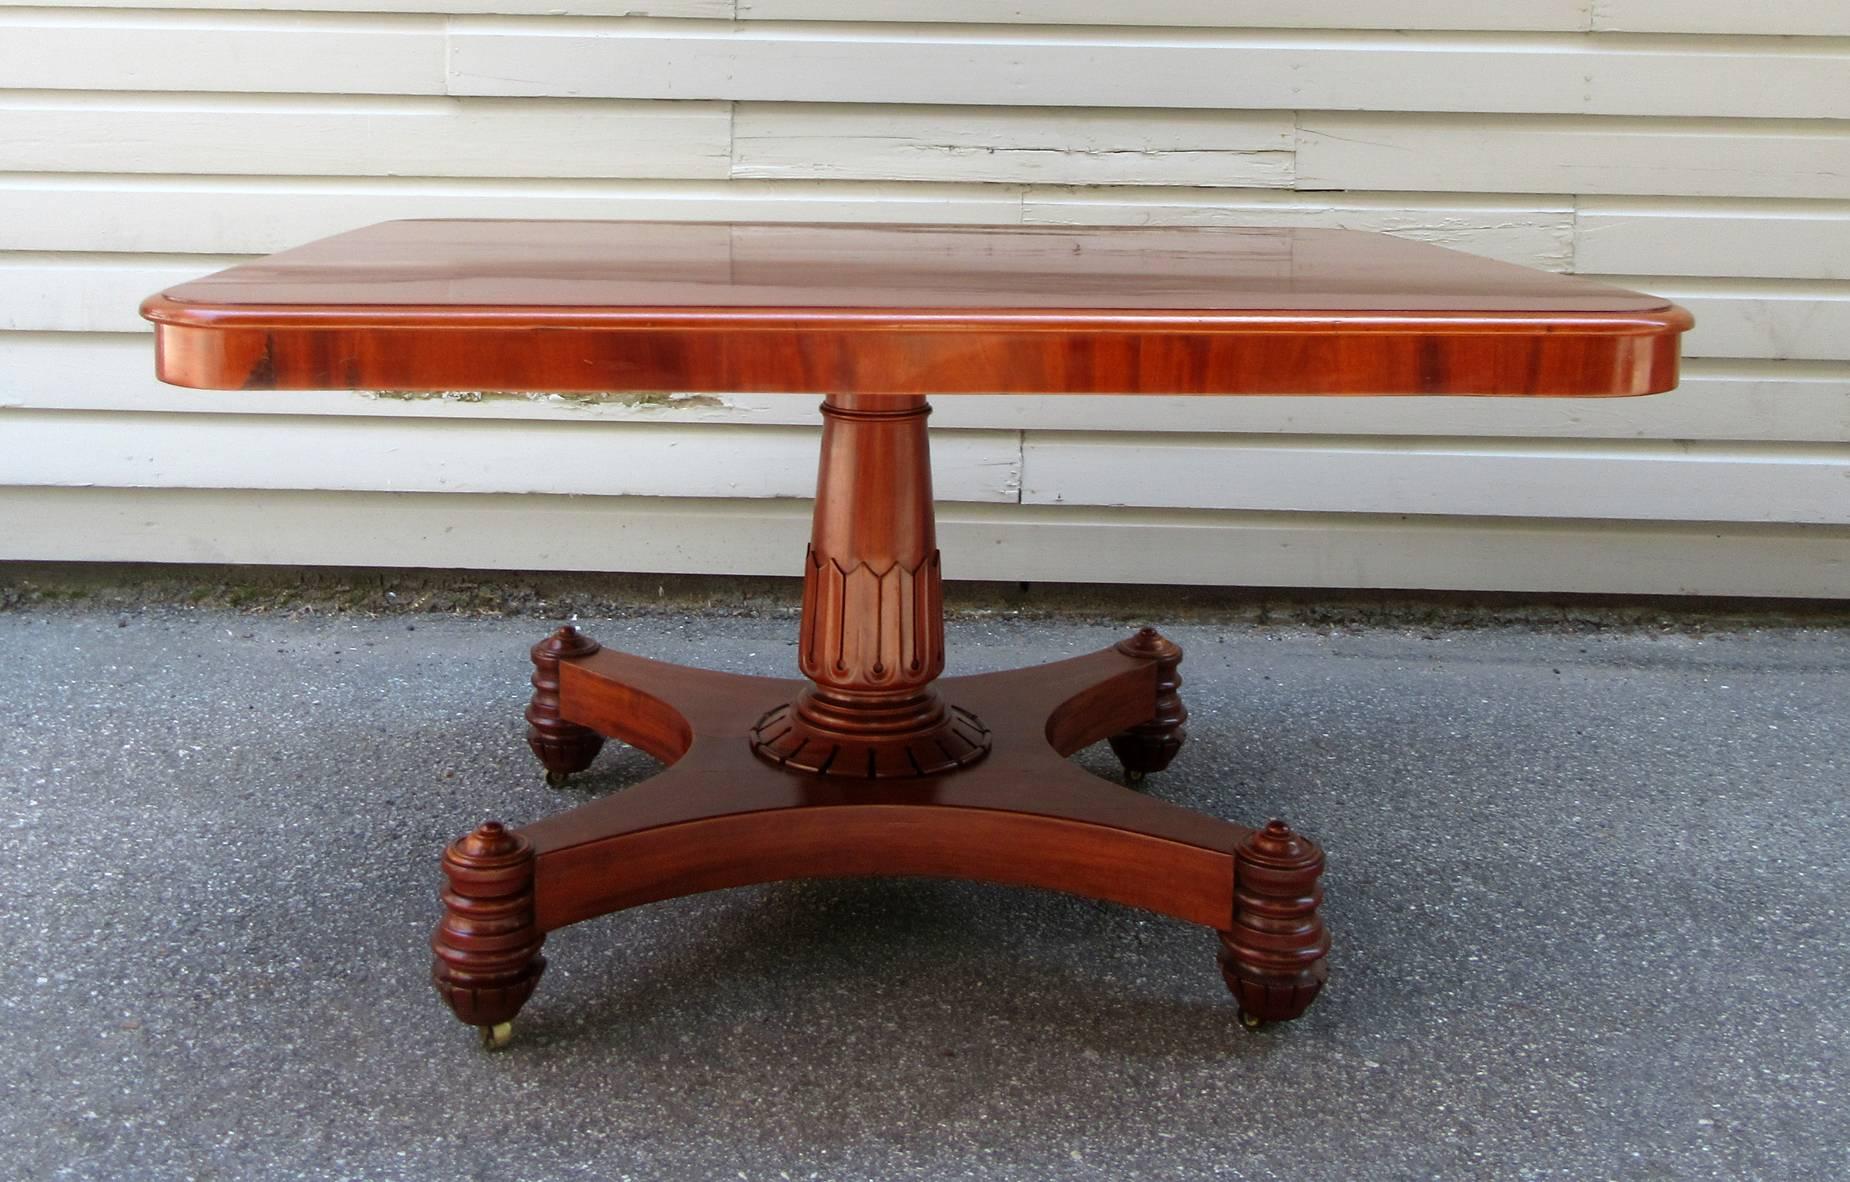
(363, 135)
(1760, 317)
(403, 455)
(1696, 148)
(717, 9)
(1764, 401)
(1807, 484)
(1617, 74)
(1555, 154)
(1819, 18)
(235, 215)
(311, 53)
(45, 292)
(805, 141)
(995, 542)
(1750, 239)
(1547, 15)
(1763, 17)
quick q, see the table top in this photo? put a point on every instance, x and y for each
(626, 306)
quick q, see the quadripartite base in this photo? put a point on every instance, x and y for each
(720, 815)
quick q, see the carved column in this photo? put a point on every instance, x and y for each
(872, 636)
(564, 747)
(1148, 747)
(1275, 957)
(487, 946)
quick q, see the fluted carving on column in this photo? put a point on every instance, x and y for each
(487, 946)
(1275, 957)
(868, 629)
(564, 747)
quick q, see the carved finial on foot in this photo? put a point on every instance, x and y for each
(487, 946)
(1150, 746)
(564, 747)
(1275, 956)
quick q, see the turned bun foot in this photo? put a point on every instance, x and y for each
(487, 947)
(1275, 957)
(1150, 746)
(563, 747)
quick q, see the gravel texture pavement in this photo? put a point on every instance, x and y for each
(1589, 887)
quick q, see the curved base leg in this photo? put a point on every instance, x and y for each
(721, 816)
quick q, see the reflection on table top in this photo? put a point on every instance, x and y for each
(715, 265)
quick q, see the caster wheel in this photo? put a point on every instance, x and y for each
(558, 779)
(1250, 1021)
(1134, 778)
(496, 1037)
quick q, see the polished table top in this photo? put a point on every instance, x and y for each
(619, 306)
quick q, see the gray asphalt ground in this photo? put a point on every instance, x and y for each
(1588, 889)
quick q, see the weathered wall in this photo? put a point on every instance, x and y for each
(1696, 148)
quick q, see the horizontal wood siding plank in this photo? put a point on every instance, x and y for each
(1762, 402)
(1770, 238)
(259, 215)
(1791, 483)
(720, 9)
(85, 293)
(1779, 18)
(134, 450)
(1559, 15)
(1750, 318)
(101, 49)
(806, 141)
(1461, 153)
(1531, 231)
(1800, 402)
(62, 131)
(1766, 17)
(1763, 18)
(1254, 69)
(997, 542)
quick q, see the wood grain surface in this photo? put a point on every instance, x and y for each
(620, 306)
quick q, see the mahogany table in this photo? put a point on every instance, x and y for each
(874, 764)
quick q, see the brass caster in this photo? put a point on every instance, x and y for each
(497, 1036)
(1134, 778)
(558, 779)
(1251, 1021)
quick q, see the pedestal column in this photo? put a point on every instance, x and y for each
(872, 637)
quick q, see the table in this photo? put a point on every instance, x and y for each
(874, 763)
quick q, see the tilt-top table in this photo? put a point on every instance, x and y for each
(874, 764)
